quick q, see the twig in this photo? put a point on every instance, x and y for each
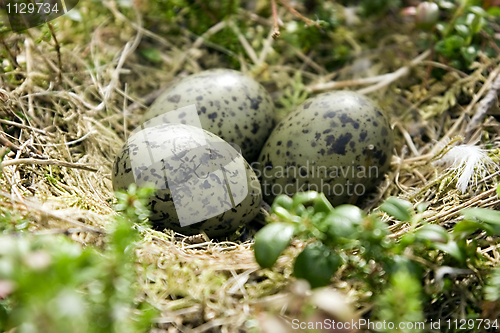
(13, 123)
(299, 15)
(390, 181)
(209, 33)
(347, 83)
(111, 5)
(266, 48)
(34, 152)
(276, 27)
(408, 139)
(456, 209)
(308, 61)
(71, 142)
(68, 231)
(124, 108)
(467, 110)
(46, 60)
(29, 69)
(146, 100)
(58, 51)
(127, 51)
(396, 75)
(4, 95)
(47, 162)
(84, 103)
(256, 18)
(33, 206)
(18, 150)
(444, 66)
(207, 11)
(484, 105)
(12, 58)
(6, 143)
(378, 81)
(204, 39)
(248, 48)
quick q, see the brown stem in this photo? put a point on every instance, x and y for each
(12, 58)
(276, 26)
(485, 105)
(297, 14)
(21, 161)
(207, 11)
(6, 143)
(58, 50)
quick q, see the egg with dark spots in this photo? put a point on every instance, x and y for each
(223, 98)
(342, 147)
(201, 183)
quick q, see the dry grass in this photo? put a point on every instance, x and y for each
(65, 123)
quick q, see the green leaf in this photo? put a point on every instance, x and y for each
(300, 210)
(433, 233)
(318, 201)
(304, 197)
(469, 53)
(475, 22)
(462, 29)
(284, 201)
(466, 227)
(397, 208)
(400, 302)
(283, 214)
(400, 263)
(488, 216)
(478, 11)
(450, 45)
(271, 241)
(421, 207)
(344, 222)
(492, 289)
(494, 11)
(407, 240)
(350, 212)
(482, 214)
(452, 249)
(321, 204)
(152, 54)
(317, 264)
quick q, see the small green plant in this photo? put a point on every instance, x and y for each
(378, 7)
(390, 269)
(51, 284)
(333, 233)
(460, 29)
(404, 286)
(293, 95)
(10, 222)
(492, 290)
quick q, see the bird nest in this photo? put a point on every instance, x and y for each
(69, 98)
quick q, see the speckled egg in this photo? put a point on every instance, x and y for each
(201, 182)
(230, 104)
(339, 143)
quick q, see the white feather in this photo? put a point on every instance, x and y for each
(469, 162)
